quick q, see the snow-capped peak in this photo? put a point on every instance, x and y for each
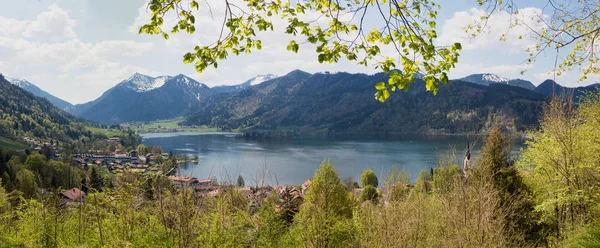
(187, 81)
(261, 78)
(142, 83)
(494, 78)
(486, 79)
(21, 82)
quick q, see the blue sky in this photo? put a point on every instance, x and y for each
(77, 49)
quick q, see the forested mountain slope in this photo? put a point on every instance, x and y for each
(551, 88)
(344, 103)
(24, 114)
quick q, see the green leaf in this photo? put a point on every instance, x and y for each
(444, 78)
(194, 5)
(386, 94)
(458, 46)
(188, 58)
(380, 86)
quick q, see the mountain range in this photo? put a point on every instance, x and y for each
(142, 98)
(344, 103)
(338, 102)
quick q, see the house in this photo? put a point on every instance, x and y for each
(80, 161)
(113, 140)
(247, 191)
(133, 154)
(204, 182)
(72, 197)
(137, 170)
(182, 181)
(305, 186)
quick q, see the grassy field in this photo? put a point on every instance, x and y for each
(171, 124)
(107, 132)
(9, 144)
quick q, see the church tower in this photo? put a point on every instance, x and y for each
(467, 161)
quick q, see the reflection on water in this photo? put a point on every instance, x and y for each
(225, 155)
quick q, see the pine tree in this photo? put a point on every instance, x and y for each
(96, 180)
(6, 183)
(240, 181)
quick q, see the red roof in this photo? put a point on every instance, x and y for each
(73, 193)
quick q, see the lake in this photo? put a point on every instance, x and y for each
(226, 155)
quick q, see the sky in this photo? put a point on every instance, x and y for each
(77, 49)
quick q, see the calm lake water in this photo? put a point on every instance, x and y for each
(226, 155)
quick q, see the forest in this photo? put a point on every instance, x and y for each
(342, 103)
(545, 197)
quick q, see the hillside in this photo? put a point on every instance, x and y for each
(24, 114)
(551, 88)
(344, 103)
(33, 89)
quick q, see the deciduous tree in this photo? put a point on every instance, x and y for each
(368, 177)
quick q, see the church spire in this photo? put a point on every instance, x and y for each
(467, 160)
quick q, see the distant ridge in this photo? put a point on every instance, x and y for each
(331, 103)
(328, 102)
(550, 88)
(30, 87)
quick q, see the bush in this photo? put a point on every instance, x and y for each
(589, 237)
(368, 177)
(369, 193)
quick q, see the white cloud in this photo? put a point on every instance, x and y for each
(550, 75)
(52, 24)
(518, 38)
(47, 51)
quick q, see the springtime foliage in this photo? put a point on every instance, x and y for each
(368, 177)
(369, 193)
(563, 159)
(409, 27)
(336, 30)
(571, 26)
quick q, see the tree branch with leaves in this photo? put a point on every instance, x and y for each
(336, 29)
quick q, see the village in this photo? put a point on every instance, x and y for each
(145, 161)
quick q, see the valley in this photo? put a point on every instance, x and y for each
(315, 124)
(317, 104)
